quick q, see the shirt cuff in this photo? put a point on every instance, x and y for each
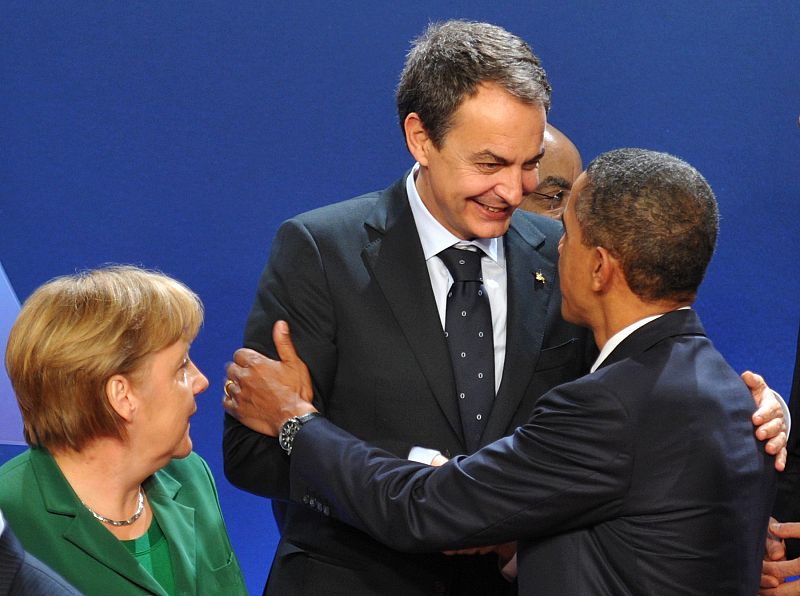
(422, 455)
(509, 570)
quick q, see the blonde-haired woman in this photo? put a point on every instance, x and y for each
(110, 494)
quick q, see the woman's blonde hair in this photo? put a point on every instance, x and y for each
(77, 331)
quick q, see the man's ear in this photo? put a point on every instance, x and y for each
(417, 139)
(604, 267)
(119, 393)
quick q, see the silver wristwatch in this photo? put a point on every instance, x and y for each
(290, 428)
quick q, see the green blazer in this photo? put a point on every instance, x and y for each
(52, 524)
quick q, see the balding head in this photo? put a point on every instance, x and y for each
(558, 169)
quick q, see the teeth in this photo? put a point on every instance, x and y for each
(493, 209)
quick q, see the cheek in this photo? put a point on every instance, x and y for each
(474, 185)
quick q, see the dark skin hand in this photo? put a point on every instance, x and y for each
(265, 393)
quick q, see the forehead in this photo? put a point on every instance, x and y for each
(492, 115)
(559, 160)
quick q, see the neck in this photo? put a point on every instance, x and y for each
(104, 480)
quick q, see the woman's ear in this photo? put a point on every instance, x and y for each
(119, 393)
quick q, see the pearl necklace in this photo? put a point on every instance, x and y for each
(124, 522)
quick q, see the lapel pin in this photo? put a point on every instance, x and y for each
(540, 279)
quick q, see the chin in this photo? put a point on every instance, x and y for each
(493, 229)
(568, 315)
(184, 449)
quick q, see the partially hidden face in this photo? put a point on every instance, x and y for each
(166, 390)
(486, 162)
(575, 262)
(558, 169)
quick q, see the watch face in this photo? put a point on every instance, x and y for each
(287, 433)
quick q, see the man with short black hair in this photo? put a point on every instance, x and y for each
(366, 290)
(642, 477)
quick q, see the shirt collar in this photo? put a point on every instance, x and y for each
(621, 335)
(434, 236)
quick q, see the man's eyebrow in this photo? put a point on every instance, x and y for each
(487, 155)
(536, 158)
(558, 181)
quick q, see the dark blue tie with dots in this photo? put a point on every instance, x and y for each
(468, 329)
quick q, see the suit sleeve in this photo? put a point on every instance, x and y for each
(567, 467)
(292, 287)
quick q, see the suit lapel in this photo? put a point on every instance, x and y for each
(84, 531)
(527, 304)
(397, 263)
(178, 524)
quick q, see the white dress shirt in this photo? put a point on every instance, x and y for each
(434, 238)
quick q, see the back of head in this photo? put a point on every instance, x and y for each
(656, 214)
(448, 62)
(75, 332)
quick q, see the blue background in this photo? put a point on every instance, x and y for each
(178, 135)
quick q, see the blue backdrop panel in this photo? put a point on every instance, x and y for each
(10, 420)
(179, 135)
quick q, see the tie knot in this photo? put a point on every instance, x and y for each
(463, 264)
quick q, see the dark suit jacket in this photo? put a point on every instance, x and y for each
(643, 477)
(22, 574)
(787, 503)
(351, 280)
(55, 527)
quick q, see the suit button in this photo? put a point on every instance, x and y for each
(306, 499)
(326, 510)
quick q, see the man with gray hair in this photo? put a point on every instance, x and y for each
(642, 477)
(365, 290)
(377, 291)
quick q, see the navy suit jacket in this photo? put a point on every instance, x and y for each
(22, 574)
(351, 280)
(643, 477)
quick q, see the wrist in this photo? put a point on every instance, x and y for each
(292, 426)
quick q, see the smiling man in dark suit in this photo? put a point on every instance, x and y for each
(642, 477)
(364, 289)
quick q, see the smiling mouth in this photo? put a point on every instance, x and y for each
(491, 209)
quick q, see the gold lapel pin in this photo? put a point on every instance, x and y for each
(540, 279)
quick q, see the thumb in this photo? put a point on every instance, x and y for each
(755, 383)
(283, 342)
